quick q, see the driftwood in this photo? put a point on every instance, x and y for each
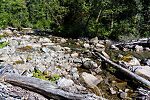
(125, 71)
(45, 88)
(143, 42)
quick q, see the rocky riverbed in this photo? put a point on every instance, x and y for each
(67, 63)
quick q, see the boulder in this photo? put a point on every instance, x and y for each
(90, 79)
(142, 71)
(134, 62)
(7, 32)
(94, 40)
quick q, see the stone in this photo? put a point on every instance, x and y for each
(63, 82)
(86, 45)
(105, 55)
(138, 48)
(147, 49)
(127, 90)
(99, 49)
(44, 40)
(90, 79)
(56, 48)
(7, 32)
(108, 43)
(89, 64)
(74, 72)
(13, 43)
(94, 40)
(112, 91)
(74, 55)
(114, 47)
(134, 62)
(99, 45)
(123, 95)
(67, 49)
(46, 50)
(75, 76)
(142, 71)
(48, 44)
(27, 30)
(62, 40)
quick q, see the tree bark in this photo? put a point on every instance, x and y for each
(45, 88)
(127, 72)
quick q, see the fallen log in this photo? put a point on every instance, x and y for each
(45, 88)
(127, 72)
(145, 42)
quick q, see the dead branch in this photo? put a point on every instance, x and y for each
(127, 72)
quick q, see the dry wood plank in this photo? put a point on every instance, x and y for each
(46, 88)
(127, 72)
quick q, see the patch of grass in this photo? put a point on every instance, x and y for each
(3, 44)
(43, 76)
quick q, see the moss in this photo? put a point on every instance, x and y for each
(26, 48)
(43, 76)
(3, 44)
(55, 77)
(19, 62)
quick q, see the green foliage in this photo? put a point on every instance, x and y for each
(41, 75)
(55, 77)
(104, 18)
(3, 44)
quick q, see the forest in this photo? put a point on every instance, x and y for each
(114, 19)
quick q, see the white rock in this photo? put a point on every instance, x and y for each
(86, 45)
(105, 54)
(67, 49)
(74, 54)
(75, 76)
(123, 95)
(114, 47)
(63, 82)
(142, 70)
(94, 40)
(46, 50)
(44, 40)
(35, 45)
(13, 43)
(48, 44)
(7, 32)
(100, 45)
(56, 48)
(147, 49)
(134, 62)
(112, 91)
(63, 40)
(89, 79)
(138, 48)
